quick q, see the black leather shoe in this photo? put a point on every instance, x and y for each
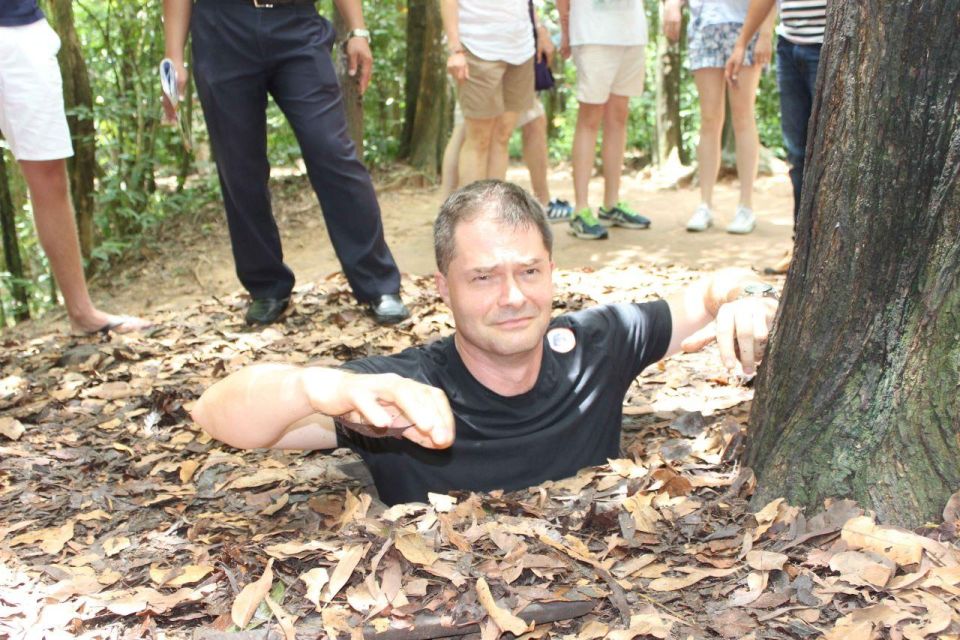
(266, 310)
(388, 309)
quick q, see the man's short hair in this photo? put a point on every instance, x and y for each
(507, 203)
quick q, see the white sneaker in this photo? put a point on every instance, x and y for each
(701, 220)
(743, 221)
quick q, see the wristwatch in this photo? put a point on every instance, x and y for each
(759, 290)
(358, 33)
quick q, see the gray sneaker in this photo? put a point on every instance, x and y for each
(701, 220)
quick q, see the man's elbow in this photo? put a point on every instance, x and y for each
(203, 417)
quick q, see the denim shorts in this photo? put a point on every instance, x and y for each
(709, 46)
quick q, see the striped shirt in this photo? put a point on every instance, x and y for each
(802, 21)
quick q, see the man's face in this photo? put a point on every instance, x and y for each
(499, 286)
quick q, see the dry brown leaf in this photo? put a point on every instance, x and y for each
(903, 547)
(11, 428)
(51, 539)
(96, 514)
(858, 566)
(179, 576)
(766, 560)
(504, 620)
(845, 630)
(258, 479)
(694, 575)
(441, 502)
(114, 545)
(951, 511)
(187, 469)
(315, 579)
(284, 620)
(414, 547)
(250, 597)
(294, 549)
(593, 630)
(350, 556)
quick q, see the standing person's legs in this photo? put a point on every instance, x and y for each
(232, 86)
(710, 89)
(589, 118)
(615, 114)
(499, 156)
(796, 77)
(304, 85)
(450, 171)
(34, 124)
(743, 97)
(475, 151)
(534, 134)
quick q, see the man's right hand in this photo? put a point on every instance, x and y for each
(457, 66)
(672, 19)
(169, 109)
(385, 401)
(732, 69)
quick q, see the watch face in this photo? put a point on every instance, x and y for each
(757, 289)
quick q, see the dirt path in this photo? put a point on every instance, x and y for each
(193, 262)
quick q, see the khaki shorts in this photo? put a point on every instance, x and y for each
(495, 87)
(530, 114)
(32, 117)
(605, 70)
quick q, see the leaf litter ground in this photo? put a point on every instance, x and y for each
(120, 518)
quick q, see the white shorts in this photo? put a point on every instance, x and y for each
(32, 118)
(605, 70)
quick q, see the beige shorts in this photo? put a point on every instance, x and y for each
(605, 70)
(495, 87)
(32, 117)
(530, 114)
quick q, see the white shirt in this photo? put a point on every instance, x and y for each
(610, 22)
(709, 12)
(497, 29)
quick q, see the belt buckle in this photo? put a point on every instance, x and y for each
(262, 5)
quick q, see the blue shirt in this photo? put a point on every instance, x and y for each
(16, 13)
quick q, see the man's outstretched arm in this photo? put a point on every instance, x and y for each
(288, 407)
(715, 309)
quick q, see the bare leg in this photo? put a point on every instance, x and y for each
(589, 117)
(743, 97)
(57, 230)
(475, 152)
(450, 174)
(710, 87)
(615, 115)
(535, 156)
(499, 157)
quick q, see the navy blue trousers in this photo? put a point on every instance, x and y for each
(797, 66)
(241, 54)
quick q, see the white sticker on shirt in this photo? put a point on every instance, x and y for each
(561, 340)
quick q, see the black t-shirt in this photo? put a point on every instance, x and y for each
(569, 420)
(16, 13)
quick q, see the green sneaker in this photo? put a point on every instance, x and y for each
(585, 225)
(623, 216)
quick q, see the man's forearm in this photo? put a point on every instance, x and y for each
(255, 406)
(766, 28)
(176, 25)
(563, 9)
(450, 16)
(758, 12)
(352, 13)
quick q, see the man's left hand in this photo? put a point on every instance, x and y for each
(359, 61)
(741, 330)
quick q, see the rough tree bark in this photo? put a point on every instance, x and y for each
(352, 100)
(669, 145)
(11, 246)
(427, 100)
(859, 393)
(78, 98)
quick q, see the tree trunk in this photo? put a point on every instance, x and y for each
(78, 98)
(430, 122)
(668, 95)
(11, 247)
(413, 69)
(352, 100)
(859, 393)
